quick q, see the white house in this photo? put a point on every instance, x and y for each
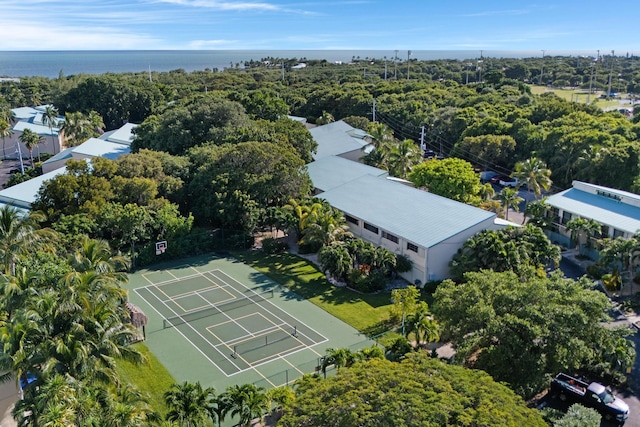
(427, 228)
(24, 194)
(618, 211)
(110, 145)
(32, 118)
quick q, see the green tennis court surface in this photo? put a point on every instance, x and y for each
(232, 325)
(218, 321)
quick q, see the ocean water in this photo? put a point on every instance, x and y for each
(51, 63)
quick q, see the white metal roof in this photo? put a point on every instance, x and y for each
(421, 217)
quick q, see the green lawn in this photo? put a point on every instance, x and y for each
(580, 96)
(151, 378)
(368, 313)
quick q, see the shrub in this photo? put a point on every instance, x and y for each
(273, 246)
(403, 264)
(594, 272)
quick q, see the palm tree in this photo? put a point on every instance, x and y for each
(422, 325)
(31, 140)
(188, 403)
(247, 401)
(534, 174)
(325, 119)
(77, 127)
(589, 227)
(219, 407)
(340, 357)
(487, 191)
(336, 260)
(510, 199)
(5, 131)
(380, 134)
(403, 157)
(49, 117)
(18, 236)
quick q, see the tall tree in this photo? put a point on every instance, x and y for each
(31, 140)
(50, 118)
(5, 132)
(19, 235)
(188, 403)
(510, 199)
(534, 174)
(522, 329)
(419, 391)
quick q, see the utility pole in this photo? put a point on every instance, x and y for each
(422, 146)
(610, 73)
(395, 70)
(373, 113)
(385, 68)
(19, 151)
(283, 71)
(593, 67)
(542, 67)
(408, 62)
(595, 77)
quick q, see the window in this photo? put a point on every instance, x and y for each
(391, 237)
(412, 247)
(352, 220)
(617, 233)
(371, 228)
(566, 217)
(604, 231)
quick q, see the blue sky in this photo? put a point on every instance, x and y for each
(331, 24)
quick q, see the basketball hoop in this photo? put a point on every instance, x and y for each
(161, 247)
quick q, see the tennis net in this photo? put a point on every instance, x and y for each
(215, 309)
(264, 341)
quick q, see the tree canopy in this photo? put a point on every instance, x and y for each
(523, 329)
(417, 391)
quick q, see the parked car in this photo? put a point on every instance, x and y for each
(485, 176)
(593, 395)
(497, 178)
(510, 182)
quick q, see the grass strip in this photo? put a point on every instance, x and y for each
(151, 378)
(368, 313)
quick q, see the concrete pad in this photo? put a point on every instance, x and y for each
(9, 395)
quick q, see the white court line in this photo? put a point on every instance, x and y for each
(280, 310)
(188, 340)
(226, 284)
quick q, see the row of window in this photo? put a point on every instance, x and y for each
(385, 235)
(568, 216)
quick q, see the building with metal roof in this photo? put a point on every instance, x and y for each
(32, 118)
(340, 139)
(618, 211)
(427, 228)
(332, 171)
(110, 145)
(25, 193)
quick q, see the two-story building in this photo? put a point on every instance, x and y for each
(618, 211)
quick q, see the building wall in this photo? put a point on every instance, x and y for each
(11, 147)
(429, 264)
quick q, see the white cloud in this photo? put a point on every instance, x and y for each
(222, 5)
(25, 36)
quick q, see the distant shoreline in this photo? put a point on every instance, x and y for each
(50, 63)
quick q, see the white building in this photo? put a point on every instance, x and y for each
(427, 228)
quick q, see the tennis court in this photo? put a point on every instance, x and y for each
(220, 322)
(233, 326)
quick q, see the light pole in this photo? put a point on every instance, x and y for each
(542, 68)
(408, 62)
